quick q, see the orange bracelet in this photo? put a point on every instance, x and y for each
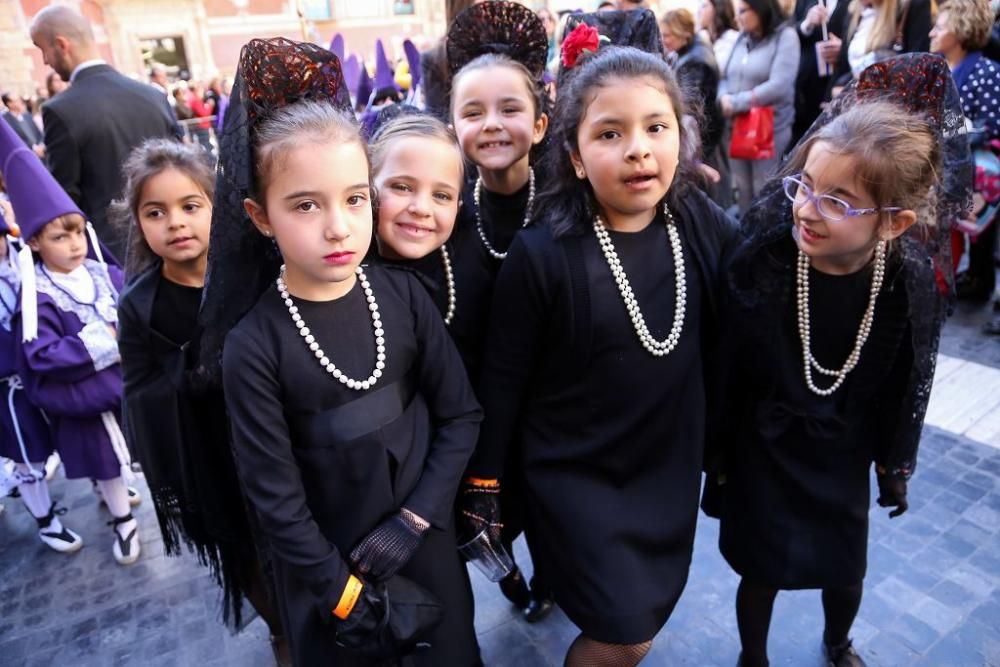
(352, 591)
(488, 483)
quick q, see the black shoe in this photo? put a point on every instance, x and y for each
(515, 589)
(843, 655)
(538, 608)
(743, 662)
(968, 288)
(992, 328)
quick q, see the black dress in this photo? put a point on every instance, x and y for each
(796, 497)
(611, 437)
(476, 270)
(323, 464)
(429, 271)
(178, 432)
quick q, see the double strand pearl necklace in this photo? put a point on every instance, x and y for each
(310, 340)
(802, 293)
(527, 212)
(449, 278)
(655, 347)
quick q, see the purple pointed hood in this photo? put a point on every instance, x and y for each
(384, 76)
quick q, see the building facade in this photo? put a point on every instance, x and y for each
(202, 38)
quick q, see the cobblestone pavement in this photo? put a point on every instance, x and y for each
(932, 595)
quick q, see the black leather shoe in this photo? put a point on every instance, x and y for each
(538, 608)
(515, 589)
(843, 655)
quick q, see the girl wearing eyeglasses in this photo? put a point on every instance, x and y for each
(821, 368)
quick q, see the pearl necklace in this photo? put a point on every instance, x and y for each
(310, 340)
(527, 212)
(655, 347)
(449, 278)
(802, 293)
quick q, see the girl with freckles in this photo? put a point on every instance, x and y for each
(594, 361)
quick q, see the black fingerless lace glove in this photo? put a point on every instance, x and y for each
(390, 546)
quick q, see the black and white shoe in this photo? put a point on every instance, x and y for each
(126, 549)
(55, 535)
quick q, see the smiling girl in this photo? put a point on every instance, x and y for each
(497, 53)
(822, 375)
(595, 355)
(418, 170)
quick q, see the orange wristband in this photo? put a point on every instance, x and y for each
(352, 591)
(488, 483)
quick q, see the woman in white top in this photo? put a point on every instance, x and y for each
(717, 22)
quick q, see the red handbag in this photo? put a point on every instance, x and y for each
(753, 135)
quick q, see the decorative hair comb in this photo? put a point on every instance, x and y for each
(278, 72)
(502, 27)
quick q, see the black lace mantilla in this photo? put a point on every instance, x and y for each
(242, 263)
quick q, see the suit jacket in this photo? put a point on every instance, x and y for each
(24, 126)
(90, 129)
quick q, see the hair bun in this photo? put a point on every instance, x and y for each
(498, 26)
(278, 72)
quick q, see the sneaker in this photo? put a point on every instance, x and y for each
(126, 549)
(55, 535)
(134, 498)
(843, 655)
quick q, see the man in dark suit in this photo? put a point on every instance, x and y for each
(812, 88)
(92, 126)
(17, 116)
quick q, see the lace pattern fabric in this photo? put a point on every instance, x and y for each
(101, 345)
(104, 309)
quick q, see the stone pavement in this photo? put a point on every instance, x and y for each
(932, 595)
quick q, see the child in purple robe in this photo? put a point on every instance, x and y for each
(68, 357)
(25, 438)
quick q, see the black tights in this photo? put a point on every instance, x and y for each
(754, 603)
(587, 652)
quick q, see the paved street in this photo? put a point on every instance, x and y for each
(932, 596)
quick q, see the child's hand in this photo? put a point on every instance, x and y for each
(892, 493)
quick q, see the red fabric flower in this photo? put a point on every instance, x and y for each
(582, 38)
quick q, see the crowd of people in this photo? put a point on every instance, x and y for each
(589, 273)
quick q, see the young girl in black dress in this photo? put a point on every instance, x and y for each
(352, 418)
(832, 330)
(418, 171)
(496, 53)
(176, 431)
(594, 362)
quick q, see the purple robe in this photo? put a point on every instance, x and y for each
(17, 414)
(72, 372)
